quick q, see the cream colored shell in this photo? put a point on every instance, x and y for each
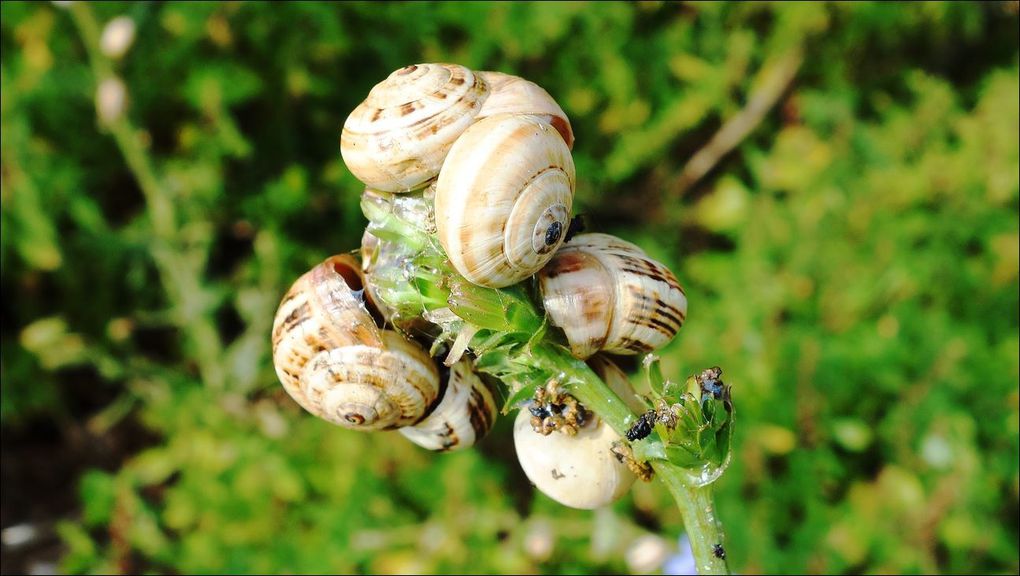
(607, 294)
(336, 363)
(577, 471)
(514, 95)
(464, 416)
(396, 140)
(503, 199)
(618, 381)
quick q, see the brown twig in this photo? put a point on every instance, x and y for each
(773, 79)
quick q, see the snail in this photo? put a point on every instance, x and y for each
(607, 294)
(503, 198)
(617, 380)
(515, 95)
(580, 470)
(396, 140)
(333, 359)
(464, 416)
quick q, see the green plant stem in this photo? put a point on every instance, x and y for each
(703, 528)
(181, 278)
(694, 502)
(545, 358)
(582, 383)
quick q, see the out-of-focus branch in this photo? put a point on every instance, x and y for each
(181, 278)
(773, 79)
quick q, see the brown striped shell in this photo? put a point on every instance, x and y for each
(503, 199)
(464, 416)
(607, 294)
(336, 363)
(396, 140)
(515, 95)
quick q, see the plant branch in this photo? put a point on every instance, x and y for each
(775, 76)
(703, 528)
(180, 277)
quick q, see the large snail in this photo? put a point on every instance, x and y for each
(333, 359)
(396, 140)
(607, 294)
(503, 198)
(578, 470)
(336, 363)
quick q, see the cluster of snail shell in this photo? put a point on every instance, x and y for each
(491, 153)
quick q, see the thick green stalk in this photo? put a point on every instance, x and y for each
(703, 528)
(582, 383)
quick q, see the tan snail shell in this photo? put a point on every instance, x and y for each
(503, 199)
(515, 95)
(332, 358)
(396, 140)
(618, 381)
(578, 471)
(607, 294)
(464, 416)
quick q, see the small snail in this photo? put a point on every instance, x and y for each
(464, 416)
(337, 364)
(396, 140)
(578, 471)
(515, 95)
(617, 380)
(607, 294)
(503, 199)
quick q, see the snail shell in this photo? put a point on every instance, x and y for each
(607, 294)
(464, 416)
(396, 140)
(336, 363)
(503, 199)
(578, 471)
(618, 381)
(515, 95)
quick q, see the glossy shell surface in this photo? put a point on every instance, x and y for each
(577, 471)
(503, 199)
(397, 139)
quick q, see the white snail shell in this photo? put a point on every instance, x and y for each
(577, 471)
(336, 363)
(515, 95)
(607, 294)
(503, 199)
(396, 140)
(464, 416)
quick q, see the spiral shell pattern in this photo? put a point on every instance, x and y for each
(464, 416)
(503, 199)
(371, 388)
(396, 140)
(607, 294)
(335, 362)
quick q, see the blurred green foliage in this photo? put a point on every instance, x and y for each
(852, 265)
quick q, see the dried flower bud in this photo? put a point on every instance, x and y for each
(111, 97)
(118, 35)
